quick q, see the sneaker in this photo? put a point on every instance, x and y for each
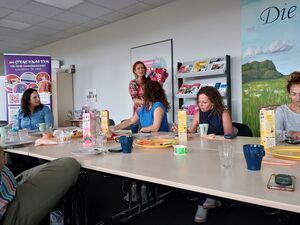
(201, 215)
(211, 203)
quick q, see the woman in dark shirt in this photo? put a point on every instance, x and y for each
(212, 112)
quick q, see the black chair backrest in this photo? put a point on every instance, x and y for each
(111, 122)
(3, 123)
(243, 129)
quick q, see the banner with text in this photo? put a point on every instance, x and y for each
(23, 72)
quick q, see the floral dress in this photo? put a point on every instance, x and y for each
(136, 90)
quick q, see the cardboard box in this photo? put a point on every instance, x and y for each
(89, 128)
(182, 127)
(267, 127)
(104, 121)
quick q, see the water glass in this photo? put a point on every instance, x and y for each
(202, 129)
(23, 134)
(226, 154)
(102, 140)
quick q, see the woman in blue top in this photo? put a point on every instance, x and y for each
(153, 114)
(33, 111)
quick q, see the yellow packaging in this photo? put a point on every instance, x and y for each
(182, 128)
(104, 121)
(267, 127)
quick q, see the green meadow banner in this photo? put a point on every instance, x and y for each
(270, 51)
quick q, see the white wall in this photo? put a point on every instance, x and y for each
(199, 29)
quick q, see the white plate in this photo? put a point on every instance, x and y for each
(13, 144)
(140, 135)
(120, 132)
(88, 151)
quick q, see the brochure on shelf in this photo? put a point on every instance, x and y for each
(223, 89)
(185, 68)
(200, 66)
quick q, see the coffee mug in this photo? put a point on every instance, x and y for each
(134, 128)
(253, 155)
(42, 127)
(203, 128)
(126, 143)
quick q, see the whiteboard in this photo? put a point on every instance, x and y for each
(158, 51)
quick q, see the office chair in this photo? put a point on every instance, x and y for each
(243, 129)
(111, 122)
(3, 123)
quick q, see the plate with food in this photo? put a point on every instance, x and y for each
(41, 76)
(20, 88)
(156, 143)
(10, 81)
(76, 133)
(285, 152)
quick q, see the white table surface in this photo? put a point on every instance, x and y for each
(198, 171)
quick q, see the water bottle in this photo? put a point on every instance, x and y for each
(15, 124)
(14, 129)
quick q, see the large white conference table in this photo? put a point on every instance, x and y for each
(198, 171)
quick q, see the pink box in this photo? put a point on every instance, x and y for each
(89, 128)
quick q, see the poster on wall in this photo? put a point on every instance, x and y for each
(23, 72)
(158, 58)
(91, 95)
(270, 52)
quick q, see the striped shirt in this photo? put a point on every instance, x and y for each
(8, 186)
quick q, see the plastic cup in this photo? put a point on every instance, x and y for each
(203, 128)
(42, 127)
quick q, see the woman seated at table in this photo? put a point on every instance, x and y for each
(27, 198)
(288, 115)
(32, 111)
(212, 112)
(153, 114)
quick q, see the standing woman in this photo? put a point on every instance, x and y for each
(32, 111)
(136, 86)
(288, 115)
(153, 114)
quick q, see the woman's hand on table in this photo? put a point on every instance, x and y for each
(294, 135)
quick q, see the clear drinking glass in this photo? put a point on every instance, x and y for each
(102, 140)
(23, 134)
(226, 154)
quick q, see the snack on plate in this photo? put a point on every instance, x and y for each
(144, 142)
(76, 133)
(47, 135)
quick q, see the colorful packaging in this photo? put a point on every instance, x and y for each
(89, 128)
(182, 127)
(104, 121)
(267, 127)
